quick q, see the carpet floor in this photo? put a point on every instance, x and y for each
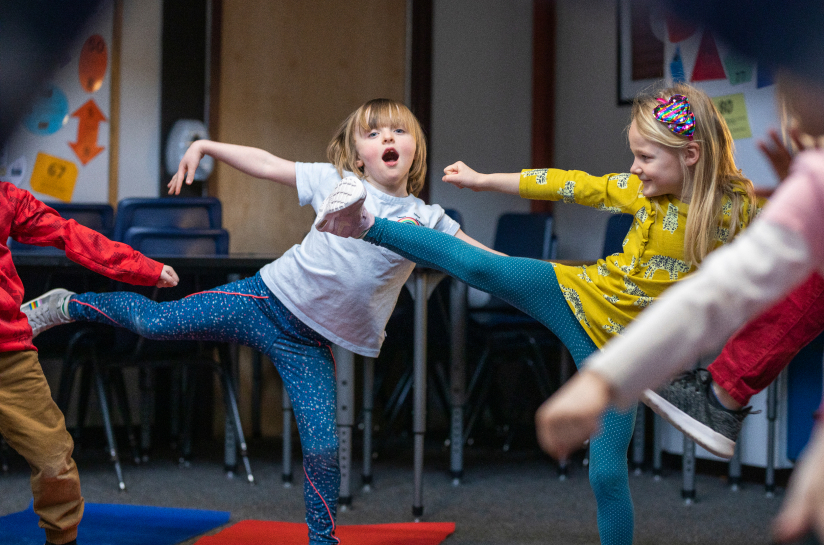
(512, 498)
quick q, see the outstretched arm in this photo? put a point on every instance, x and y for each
(468, 239)
(803, 508)
(252, 161)
(38, 224)
(461, 176)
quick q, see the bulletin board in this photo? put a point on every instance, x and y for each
(743, 91)
(61, 150)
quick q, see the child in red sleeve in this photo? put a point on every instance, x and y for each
(29, 419)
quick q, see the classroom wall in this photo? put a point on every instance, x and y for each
(139, 152)
(481, 103)
(589, 125)
(290, 73)
(481, 107)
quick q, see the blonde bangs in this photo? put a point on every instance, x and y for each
(386, 113)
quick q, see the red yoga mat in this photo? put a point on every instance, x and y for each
(255, 532)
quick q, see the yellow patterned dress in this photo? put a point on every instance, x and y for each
(607, 296)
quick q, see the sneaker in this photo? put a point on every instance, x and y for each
(48, 310)
(689, 404)
(343, 213)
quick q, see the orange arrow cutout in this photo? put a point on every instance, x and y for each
(89, 117)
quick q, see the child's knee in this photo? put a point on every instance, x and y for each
(609, 480)
(321, 460)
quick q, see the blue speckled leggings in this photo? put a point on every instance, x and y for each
(531, 286)
(246, 312)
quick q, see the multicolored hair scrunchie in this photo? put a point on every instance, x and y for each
(676, 114)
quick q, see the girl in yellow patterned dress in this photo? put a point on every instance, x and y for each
(687, 198)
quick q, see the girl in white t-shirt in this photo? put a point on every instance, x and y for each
(301, 303)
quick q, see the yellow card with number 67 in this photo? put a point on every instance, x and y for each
(54, 176)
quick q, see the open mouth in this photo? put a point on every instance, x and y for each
(390, 155)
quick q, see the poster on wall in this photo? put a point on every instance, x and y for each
(60, 151)
(742, 91)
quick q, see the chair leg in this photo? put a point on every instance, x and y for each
(190, 391)
(483, 396)
(146, 380)
(688, 469)
(176, 384)
(734, 478)
(257, 393)
(119, 387)
(103, 400)
(639, 439)
(86, 377)
(368, 406)
(233, 412)
(4, 460)
(658, 424)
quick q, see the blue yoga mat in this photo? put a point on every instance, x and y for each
(109, 524)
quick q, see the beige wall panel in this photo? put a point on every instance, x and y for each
(291, 71)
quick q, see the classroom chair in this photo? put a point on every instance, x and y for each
(172, 212)
(500, 329)
(97, 216)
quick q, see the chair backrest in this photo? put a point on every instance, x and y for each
(525, 235)
(454, 214)
(617, 228)
(171, 212)
(159, 241)
(99, 217)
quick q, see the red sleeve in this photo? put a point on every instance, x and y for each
(37, 224)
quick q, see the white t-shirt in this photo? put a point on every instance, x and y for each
(344, 288)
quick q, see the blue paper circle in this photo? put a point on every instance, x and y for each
(49, 112)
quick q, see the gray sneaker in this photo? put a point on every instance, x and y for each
(48, 310)
(688, 404)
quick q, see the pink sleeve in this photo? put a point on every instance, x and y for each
(798, 204)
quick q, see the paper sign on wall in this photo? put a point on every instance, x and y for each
(734, 110)
(54, 176)
(739, 69)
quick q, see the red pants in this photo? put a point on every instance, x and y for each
(758, 352)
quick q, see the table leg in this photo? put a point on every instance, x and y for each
(457, 376)
(419, 399)
(286, 405)
(345, 369)
(688, 469)
(772, 414)
(368, 406)
(639, 439)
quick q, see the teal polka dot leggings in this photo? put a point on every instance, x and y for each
(246, 312)
(531, 286)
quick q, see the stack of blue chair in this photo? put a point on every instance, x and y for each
(180, 226)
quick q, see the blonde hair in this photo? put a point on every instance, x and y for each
(375, 114)
(711, 178)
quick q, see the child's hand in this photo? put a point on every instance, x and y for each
(168, 278)
(186, 169)
(460, 175)
(803, 508)
(779, 155)
(571, 416)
